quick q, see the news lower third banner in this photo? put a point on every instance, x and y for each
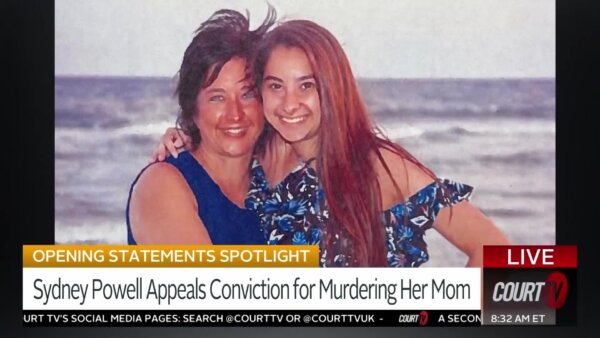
(113, 285)
(530, 285)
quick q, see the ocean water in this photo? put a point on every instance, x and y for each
(496, 135)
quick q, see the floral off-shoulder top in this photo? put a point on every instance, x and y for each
(295, 212)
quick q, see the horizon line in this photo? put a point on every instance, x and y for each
(358, 78)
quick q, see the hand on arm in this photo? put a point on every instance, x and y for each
(170, 143)
(163, 209)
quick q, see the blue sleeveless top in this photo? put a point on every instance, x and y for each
(225, 222)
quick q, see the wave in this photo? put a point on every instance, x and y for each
(443, 130)
(511, 194)
(508, 213)
(150, 128)
(82, 143)
(522, 158)
(460, 98)
(551, 195)
(401, 131)
(383, 110)
(70, 118)
(88, 232)
(449, 134)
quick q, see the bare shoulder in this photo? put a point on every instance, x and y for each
(159, 178)
(408, 176)
(163, 208)
(160, 188)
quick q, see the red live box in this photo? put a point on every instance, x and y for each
(530, 256)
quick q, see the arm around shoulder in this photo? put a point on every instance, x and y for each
(163, 209)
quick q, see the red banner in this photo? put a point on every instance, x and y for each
(530, 256)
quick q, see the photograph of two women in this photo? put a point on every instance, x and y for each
(388, 133)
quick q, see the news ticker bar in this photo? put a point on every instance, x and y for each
(317, 318)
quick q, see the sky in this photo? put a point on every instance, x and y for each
(382, 38)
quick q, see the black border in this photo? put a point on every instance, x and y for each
(28, 156)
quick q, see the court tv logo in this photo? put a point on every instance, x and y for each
(423, 318)
(553, 291)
